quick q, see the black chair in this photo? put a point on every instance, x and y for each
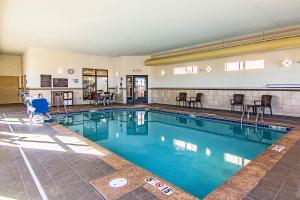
(238, 100)
(265, 102)
(99, 99)
(181, 98)
(196, 101)
(110, 98)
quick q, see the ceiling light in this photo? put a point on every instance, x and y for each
(162, 72)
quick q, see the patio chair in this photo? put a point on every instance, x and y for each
(181, 98)
(99, 99)
(196, 101)
(264, 103)
(238, 100)
(110, 98)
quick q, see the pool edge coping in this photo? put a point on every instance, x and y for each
(239, 184)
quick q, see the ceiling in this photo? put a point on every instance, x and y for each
(135, 27)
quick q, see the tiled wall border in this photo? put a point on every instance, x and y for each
(285, 102)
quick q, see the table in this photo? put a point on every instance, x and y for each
(248, 107)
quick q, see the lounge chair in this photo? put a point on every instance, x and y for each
(238, 100)
(264, 103)
(181, 98)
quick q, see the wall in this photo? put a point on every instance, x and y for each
(129, 65)
(273, 72)
(10, 65)
(217, 86)
(252, 83)
(42, 61)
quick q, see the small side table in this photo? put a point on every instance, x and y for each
(248, 108)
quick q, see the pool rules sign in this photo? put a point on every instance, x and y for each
(160, 185)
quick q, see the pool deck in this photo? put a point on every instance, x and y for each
(67, 166)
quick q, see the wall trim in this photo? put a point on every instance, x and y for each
(56, 88)
(247, 89)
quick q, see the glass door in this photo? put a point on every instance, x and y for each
(140, 89)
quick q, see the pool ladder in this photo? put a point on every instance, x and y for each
(58, 98)
(259, 113)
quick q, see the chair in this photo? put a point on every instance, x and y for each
(238, 100)
(181, 98)
(38, 106)
(110, 98)
(99, 99)
(196, 100)
(265, 102)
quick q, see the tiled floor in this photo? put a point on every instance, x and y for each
(64, 167)
(62, 173)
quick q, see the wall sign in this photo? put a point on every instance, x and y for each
(160, 185)
(60, 82)
(46, 80)
(137, 71)
(278, 148)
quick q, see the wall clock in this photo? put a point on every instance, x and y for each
(71, 71)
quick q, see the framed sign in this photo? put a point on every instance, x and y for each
(46, 80)
(60, 82)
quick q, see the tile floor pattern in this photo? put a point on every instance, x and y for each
(283, 181)
(65, 174)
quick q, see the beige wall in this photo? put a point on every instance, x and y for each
(43, 61)
(128, 65)
(272, 73)
(166, 88)
(10, 65)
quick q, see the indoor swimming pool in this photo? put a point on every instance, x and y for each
(193, 153)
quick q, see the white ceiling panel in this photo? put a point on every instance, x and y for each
(135, 27)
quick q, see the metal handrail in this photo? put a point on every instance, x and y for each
(259, 112)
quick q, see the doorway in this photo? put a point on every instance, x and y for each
(137, 88)
(9, 89)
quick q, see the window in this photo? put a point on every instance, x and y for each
(186, 70)
(234, 66)
(255, 64)
(251, 64)
(93, 80)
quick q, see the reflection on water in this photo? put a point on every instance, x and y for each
(196, 155)
(234, 159)
(185, 145)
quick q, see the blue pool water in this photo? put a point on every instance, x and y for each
(197, 155)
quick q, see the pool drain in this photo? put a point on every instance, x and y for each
(118, 182)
